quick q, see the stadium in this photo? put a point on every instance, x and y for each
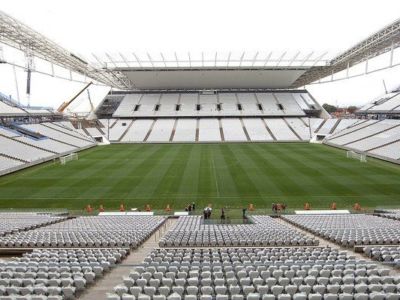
(197, 176)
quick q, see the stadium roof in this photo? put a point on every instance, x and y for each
(212, 78)
(219, 72)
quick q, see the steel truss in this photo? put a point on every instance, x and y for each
(383, 41)
(20, 36)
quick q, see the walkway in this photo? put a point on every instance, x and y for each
(114, 277)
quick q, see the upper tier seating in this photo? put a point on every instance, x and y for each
(255, 274)
(96, 231)
(389, 103)
(191, 232)
(350, 230)
(211, 105)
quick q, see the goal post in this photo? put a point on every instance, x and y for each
(68, 158)
(355, 155)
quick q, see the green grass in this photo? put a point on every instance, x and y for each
(232, 175)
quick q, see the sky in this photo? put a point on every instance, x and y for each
(93, 26)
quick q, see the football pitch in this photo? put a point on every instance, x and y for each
(231, 175)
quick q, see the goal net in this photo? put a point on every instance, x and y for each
(359, 156)
(69, 157)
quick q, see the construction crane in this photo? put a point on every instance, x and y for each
(67, 103)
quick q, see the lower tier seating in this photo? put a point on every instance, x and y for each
(350, 230)
(376, 138)
(19, 150)
(313, 273)
(190, 231)
(87, 232)
(55, 274)
(387, 254)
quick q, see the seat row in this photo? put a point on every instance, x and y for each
(94, 232)
(350, 230)
(55, 273)
(332, 275)
(14, 222)
(190, 231)
(390, 255)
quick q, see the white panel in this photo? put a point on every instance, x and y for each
(392, 151)
(377, 140)
(191, 99)
(246, 98)
(93, 131)
(227, 98)
(389, 104)
(233, 130)
(127, 105)
(21, 151)
(290, 106)
(169, 99)
(48, 144)
(300, 101)
(256, 129)
(162, 130)
(212, 78)
(8, 163)
(185, 130)
(299, 127)
(344, 123)
(269, 105)
(209, 109)
(327, 127)
(364, 132)
(280, 130)
(315, 123)
(212, 99)
(138, 130)
(10, 110)
(150, 99)
(57, 135)
(209, 130)
(118, 129)
(356, 126)
(250, 109)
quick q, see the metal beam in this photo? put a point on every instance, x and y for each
(20, 36)
(381, 42)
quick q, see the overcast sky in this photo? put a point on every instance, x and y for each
(94, 26)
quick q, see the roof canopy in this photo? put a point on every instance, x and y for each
(212, 78)
(283, 72)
